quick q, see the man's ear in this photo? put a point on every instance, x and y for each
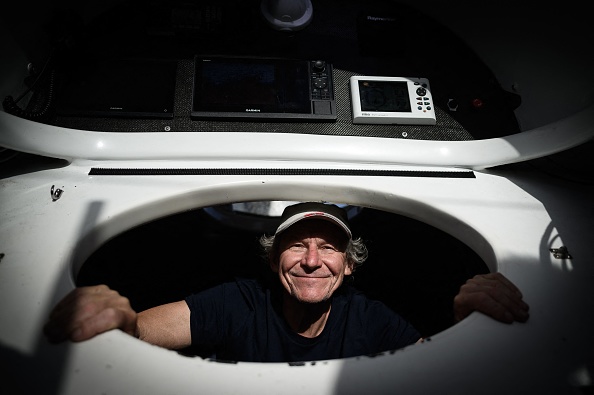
(349, 269)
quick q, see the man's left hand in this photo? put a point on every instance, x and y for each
(492, 294)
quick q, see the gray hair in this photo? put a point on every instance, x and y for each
(356, 251)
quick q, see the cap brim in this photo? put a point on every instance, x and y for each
(302, 211)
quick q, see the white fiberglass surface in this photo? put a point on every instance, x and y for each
(95, 211)
(71, 144)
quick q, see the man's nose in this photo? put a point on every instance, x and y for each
(312, 257)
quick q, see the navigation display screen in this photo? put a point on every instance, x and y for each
(384, 96)
(251, 86)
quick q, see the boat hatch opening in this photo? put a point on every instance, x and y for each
(413, 267)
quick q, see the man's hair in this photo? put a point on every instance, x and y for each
(356, 251)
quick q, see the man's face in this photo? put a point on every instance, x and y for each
(312, 260)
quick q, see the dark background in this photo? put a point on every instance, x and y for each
(375, 37)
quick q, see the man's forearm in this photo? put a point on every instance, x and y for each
(166, 326)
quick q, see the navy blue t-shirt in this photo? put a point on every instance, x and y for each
(242, 321)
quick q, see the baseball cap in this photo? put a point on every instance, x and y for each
(300, 211)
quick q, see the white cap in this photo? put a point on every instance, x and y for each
(297, 212)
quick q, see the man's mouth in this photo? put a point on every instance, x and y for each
(309, 276)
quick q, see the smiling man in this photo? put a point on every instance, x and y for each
(312, 261)
(308, 314)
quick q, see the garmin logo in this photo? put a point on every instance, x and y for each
(380, 19)
(252, 110)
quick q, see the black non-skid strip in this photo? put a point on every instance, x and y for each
(102, 171)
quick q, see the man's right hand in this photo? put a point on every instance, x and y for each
(88, 311)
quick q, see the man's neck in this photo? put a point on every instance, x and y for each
(306, 319)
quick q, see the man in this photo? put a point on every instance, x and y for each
(307, 314)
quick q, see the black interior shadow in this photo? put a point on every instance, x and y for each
(412, 267)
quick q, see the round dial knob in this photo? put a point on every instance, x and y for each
(319, 66)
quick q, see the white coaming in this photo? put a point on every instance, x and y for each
(27, 136)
